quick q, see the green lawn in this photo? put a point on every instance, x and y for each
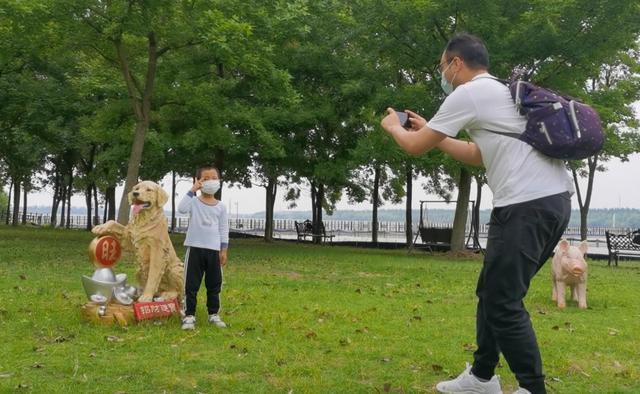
(303, 319)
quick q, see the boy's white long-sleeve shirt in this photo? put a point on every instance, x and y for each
(208, 224)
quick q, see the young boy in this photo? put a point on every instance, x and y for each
(207, 242)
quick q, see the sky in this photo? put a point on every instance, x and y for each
(618, 187)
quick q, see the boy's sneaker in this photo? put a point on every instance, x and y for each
(521, 390)
(189, 322)
(467, 383)
(215, 319)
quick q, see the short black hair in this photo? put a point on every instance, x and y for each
(470, 49)
(207, 167)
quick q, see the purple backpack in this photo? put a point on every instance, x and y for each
(558, 126)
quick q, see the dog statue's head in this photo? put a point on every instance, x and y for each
(146, 195)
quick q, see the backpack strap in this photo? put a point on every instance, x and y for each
(503, 133)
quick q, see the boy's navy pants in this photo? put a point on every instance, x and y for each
(201, 262)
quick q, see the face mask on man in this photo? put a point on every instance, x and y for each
(446, 86)
(211, 186)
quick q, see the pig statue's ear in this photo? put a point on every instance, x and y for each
(563, 246)
(584, 246)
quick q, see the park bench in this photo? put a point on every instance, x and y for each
(305, 229)
(627, 244)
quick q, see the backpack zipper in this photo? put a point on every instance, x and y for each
(574, 118)
(543, 130)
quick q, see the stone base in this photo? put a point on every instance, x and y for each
(115, 314)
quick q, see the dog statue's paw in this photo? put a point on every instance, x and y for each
(146, 298)
(99, 229)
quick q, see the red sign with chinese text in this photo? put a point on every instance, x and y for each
(153, 310)
(106, 251)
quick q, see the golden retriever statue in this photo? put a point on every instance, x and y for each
(160, 271)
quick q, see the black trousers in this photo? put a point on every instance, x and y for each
(201, 262)
(521, 239)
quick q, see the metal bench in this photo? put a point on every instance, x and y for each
(305, 229)
(627, 244)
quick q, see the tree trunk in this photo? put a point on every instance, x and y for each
(141, 102)
(462, 209)
(68, 194)
(16, 201)
(110, 197)
(313, 203)
(375, 199)
(592, 164)
(88, 191)
(6, 219)
(172, 227)
(317, 196)
(56, 199)
(408, 220)
(104, 211)
(63, 199)
(271, 191)
(25, 192)
(476, 214)
(219, 164)
(96, 208)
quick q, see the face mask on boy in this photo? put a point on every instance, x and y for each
(211, 186)
(446, 86)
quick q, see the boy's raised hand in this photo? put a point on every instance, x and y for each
(196, 185)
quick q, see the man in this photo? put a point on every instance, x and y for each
(532, 205)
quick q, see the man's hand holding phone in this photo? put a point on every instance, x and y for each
(408, 120)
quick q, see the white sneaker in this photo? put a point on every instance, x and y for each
(467, 383)
(521, 390)
(215, 319)
(189, 322)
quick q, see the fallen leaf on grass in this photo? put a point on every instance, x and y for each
(23, 276)
(417, 318)
(613, 331)
(436, 367)
(22, 386)
(37, 365)
(386, 359)
(6, 375)
(469, 347)
(345, 341)
(113, 338)
(311, 335)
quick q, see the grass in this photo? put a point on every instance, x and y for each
(303, 319)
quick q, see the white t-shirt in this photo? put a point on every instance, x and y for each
(208, 224)
(516, 172)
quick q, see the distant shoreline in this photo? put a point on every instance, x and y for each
(598, 217)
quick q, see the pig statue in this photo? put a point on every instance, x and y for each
(568, 268)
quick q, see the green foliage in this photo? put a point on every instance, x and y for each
(302, 318)
(286, 90)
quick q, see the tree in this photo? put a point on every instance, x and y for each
(612, 92)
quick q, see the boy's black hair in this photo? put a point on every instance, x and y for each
(470, 49)
(207, 167)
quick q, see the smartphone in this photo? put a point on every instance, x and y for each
(404, 119)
